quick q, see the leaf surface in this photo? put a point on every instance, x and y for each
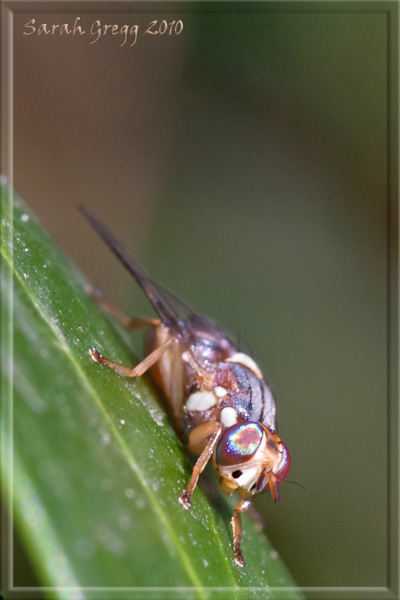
(92, 463)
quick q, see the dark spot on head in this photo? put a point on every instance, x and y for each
(236, 474)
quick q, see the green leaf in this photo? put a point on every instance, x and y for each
(94, 467)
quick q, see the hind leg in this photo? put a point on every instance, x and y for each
(137, 371)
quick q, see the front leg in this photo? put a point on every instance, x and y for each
(200, 465)
(236, 523)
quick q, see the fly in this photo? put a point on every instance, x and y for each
(220, 403)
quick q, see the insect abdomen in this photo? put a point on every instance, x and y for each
(168, 372)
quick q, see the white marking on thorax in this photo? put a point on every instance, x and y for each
(201, 401)
(228, 416)
(205, 400)
(220, 392)
(246, 361)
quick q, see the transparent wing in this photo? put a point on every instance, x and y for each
(173, 312)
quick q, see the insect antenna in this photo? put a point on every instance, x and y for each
(300, 486)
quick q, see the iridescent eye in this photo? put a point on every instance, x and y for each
(238, 443)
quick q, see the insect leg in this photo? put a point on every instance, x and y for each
(236, 523)
(121, 317)
(200, 466)
(139, 322)
(199, 436)
(140, 368)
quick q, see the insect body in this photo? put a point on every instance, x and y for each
(221, 405)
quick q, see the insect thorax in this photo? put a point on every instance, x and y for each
(236, 390)
(238, 395)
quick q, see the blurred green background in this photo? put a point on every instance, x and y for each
(244, 163)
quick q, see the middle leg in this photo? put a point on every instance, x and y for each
(121, 317)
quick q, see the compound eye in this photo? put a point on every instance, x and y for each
(238, 443)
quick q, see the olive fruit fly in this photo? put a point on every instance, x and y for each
(220, 403)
